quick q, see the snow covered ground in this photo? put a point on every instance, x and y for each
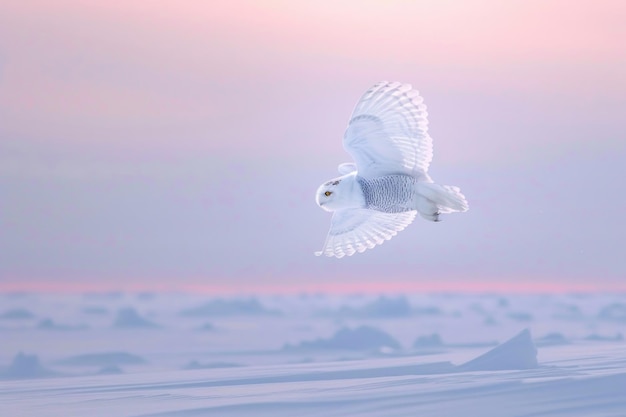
(169, 355)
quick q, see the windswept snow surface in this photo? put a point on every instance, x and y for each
(480, 359)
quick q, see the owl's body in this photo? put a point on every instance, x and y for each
(389, 194)
(389, 184)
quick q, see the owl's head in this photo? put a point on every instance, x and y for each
(339, 193)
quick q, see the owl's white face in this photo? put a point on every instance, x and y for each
(338, 193)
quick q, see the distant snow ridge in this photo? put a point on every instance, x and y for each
(26, 367)
(103, 359)
(49, 324)
(95, 310)
(552, 339)
(110, 370)
(146, 296)
(569, 312)
(520, 316)
(221, 307)
(17, 314)
(518, 352)
(388, 307)
(600, 338)
(613, 312)
(213, 365)
(429, 341)
(129, 318)
(383, 307)
(361, 338)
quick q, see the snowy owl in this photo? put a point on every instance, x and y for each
(381, 193)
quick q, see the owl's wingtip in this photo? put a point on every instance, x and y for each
(319, 253)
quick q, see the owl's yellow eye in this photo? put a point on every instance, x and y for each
(327, 193)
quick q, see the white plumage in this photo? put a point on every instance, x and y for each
(380, 195)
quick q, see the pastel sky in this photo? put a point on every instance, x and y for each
(178, 145)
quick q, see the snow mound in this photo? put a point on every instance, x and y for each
(222, 307)
(110, 370)
(361, 338)
(26, 367)
(387, 308)
(601, 338)
(520, 316)
(103, 359)
(429, 341)
(518, 352)
(613, 312)
(212, 365)
(95, 310)
(49, 324)
(552, 339)
(17, 314)
(129, 318)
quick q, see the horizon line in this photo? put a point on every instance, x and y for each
(374, 287)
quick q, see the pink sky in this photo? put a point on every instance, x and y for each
(91, 68)
(182, 141)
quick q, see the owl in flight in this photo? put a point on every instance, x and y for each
(382, 192)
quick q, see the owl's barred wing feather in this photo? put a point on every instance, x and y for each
(388, 132)
(355, 230)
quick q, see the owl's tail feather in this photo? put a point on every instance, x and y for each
(434, 199)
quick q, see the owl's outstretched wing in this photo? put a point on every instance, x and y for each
(355, 230)
(388, 132)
